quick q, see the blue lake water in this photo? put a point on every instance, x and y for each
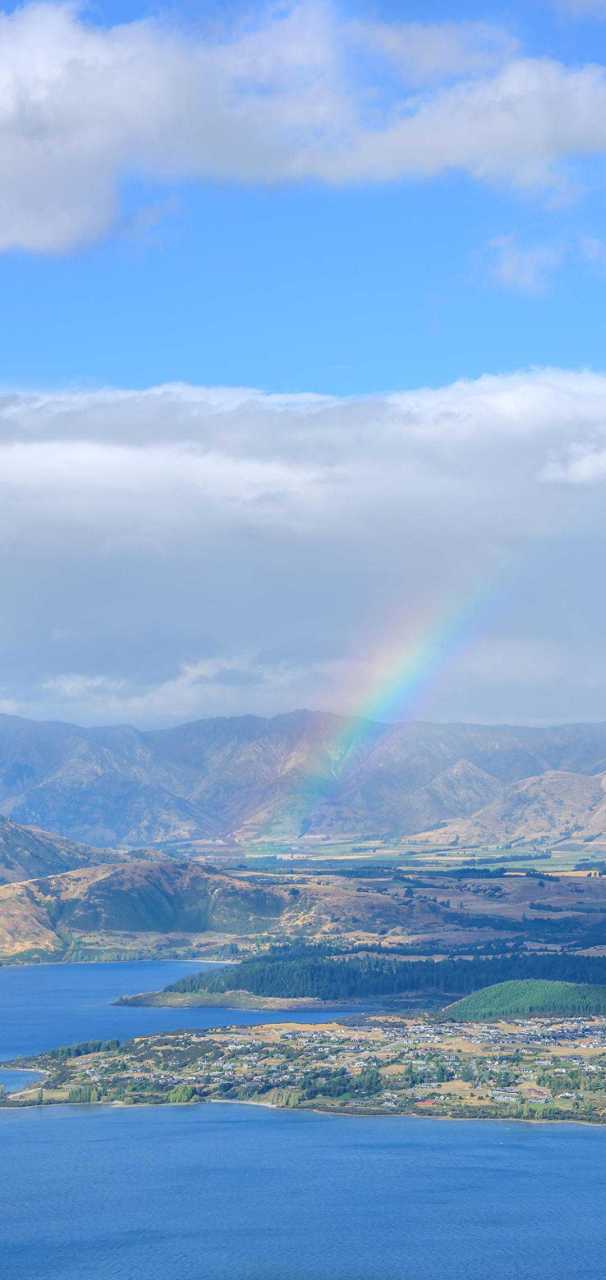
(42, 1006)
(225, 1192)
(13, 1081)
(219, 1191)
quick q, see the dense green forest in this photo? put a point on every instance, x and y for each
(333, 977)
(528, 998)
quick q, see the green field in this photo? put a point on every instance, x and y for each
(530, 997)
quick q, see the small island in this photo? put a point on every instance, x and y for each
(470, 1061)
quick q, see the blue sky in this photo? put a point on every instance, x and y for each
(351, 288)
(291, 290)
(387, 221)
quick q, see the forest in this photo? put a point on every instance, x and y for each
(312, 974)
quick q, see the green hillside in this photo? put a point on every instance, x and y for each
(527, 998)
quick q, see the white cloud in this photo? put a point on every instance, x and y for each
(216, 686)
(531, 268)
(423, 53)
(526, 269)
(74, 687)
(191, 551)
(288, 98)
(579, 465)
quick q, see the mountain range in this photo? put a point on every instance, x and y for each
(302, 773)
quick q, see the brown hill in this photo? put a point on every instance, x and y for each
(26, 852)
(170, 907)
(169, 899)
(44, 916)
(556, 807)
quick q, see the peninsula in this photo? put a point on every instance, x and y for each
(545, 1068)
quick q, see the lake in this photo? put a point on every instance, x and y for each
(42, 1006)
(241, 1192)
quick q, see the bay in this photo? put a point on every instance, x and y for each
(247, 1193)
(43, 1006)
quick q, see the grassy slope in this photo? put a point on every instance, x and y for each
(27, 852)
(231, 999)
(527, 998)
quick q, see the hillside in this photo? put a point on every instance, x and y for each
(529, 998)
(287, 776)
(166, 906)
(558, 806)
(115, 905)
(26, 852)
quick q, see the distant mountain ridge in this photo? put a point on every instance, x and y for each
(558, 805)
(284, 775)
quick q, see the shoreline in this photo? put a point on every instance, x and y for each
(227, 1000)
(344, 1113)
(395, 1115)
(14, 963)
(426, 1003)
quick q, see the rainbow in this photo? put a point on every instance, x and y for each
(400, 678)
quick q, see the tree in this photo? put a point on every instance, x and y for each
(182, 1093)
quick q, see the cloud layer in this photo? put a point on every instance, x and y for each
(185, 551)
(298, 95)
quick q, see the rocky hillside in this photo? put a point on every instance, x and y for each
(291, 775)
(27, 852)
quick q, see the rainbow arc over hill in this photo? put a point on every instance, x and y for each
(402, 677)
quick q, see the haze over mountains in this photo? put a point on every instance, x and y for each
(290, 775)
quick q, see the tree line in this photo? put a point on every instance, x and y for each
(333, 977)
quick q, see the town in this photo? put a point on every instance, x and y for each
(535, 1069)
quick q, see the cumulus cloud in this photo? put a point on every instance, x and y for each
(579, 464)
(184, 551)
(297, 94)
